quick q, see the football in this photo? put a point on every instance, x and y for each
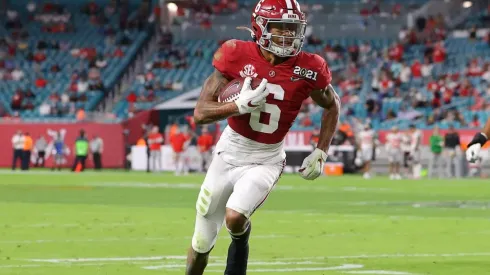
(231, 91)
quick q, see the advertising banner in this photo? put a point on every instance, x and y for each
(111, 134)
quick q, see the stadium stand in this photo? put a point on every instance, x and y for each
(393, 80)
(61, 59)
(388, 77)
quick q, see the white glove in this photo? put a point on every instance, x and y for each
(473, 152)
(312, 166)
(249, 99)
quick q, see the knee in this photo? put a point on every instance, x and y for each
(205, 235)
(235, 222)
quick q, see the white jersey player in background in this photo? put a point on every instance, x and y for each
(393, 148)
(366, 141)
(405, 146)
(415, 141)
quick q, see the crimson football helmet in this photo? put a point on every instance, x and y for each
(278, 26)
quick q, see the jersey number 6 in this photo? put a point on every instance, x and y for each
(272, 109)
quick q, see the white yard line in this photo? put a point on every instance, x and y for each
(116, 239)
(250, 263)
(378, 272)
(272, 236)
(40, 225)
(181, 257)
(300, 269)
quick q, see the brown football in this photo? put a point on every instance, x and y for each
(231, 91)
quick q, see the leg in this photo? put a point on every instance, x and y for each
(432, 162)
(42, 156)
(457, 164)
(250, 191)
(14, 160)
(23, 160)
(177, 157)
(97, 160)
(159, 160)
(440, 166)
(82, 161)
(448, 165)
(152, 161)
(210, 206)
(77, 160)
(28, 159)
(38, 159)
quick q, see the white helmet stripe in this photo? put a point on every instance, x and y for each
(289, 6)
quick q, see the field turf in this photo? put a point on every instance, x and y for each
(136, 223)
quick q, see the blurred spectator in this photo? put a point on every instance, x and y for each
(28, 105)
(44, 109)
(405, 73)
(17, 98)
(439, 54)
(475, 122)
(18, 147)
(118, 53)
(41, 82)
(426, 68)
(416, 69)
(80, 115)
(17, 74)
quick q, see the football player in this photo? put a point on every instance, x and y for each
(249, 156)
(415, 141)
(366, 146)
(393, 148)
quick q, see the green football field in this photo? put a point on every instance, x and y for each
(137, 223)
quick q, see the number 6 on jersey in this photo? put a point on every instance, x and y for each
(272, 109)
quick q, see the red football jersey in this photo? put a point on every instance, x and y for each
(289, 83)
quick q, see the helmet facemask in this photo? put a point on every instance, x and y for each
(282, 37)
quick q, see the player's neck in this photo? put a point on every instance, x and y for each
(271, 58)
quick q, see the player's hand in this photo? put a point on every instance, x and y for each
(312, 166)
(251, 99)
(473, 151)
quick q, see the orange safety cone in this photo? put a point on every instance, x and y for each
(78, 169)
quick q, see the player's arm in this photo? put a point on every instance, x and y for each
(329, 100)
(208, 109)
(482, 137)
(473, 151)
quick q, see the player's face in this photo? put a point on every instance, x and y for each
(284, 34)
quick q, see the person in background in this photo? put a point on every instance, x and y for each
(96, 147)
(81, 151)
(205, 142)
(393, 148)
(178, 141)
(405, 147)
(27, 150)
(436, 142)
(155, 140)
(452, 153)
(415, 141)
(41, 146)
(18, 146)
(58, 150)
(366, 146)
